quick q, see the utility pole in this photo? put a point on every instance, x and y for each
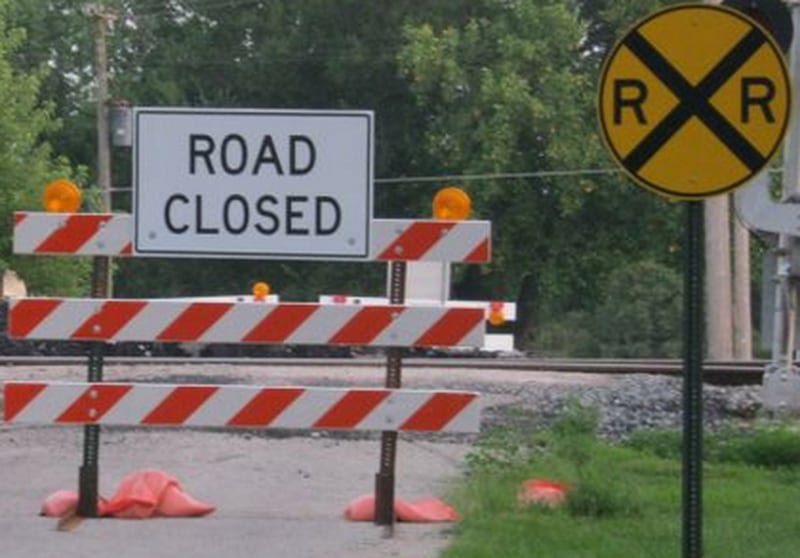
(719, 313)
(742, 314)
(103, 18)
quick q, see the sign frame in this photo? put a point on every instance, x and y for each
(337, 191)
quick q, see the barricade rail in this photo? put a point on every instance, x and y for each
(238, 320)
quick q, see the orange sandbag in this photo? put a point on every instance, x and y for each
(153, 493)
(543, 492)
(60, 503)
(424, 510)
(149, 493)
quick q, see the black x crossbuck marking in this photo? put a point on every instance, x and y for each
(694, 101)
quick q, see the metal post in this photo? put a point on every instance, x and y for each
(88, 474)
(384, 479)
(780, 386)
(693, 383)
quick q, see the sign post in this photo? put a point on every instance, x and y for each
(693, 102)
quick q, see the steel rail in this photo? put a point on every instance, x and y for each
(716, 372)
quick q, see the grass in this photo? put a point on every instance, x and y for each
(634, 498)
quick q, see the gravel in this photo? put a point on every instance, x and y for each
(629, 404)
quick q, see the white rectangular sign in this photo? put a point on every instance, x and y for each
(253, 183)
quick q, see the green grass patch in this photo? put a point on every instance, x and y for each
(626, 500)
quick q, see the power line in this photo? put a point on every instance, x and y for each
(495, 176)
(474, 177)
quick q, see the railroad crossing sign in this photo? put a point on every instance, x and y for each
(694, 101)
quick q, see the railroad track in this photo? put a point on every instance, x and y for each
(715, 372)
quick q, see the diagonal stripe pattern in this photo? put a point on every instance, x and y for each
(391, 239)
(244, 322)
(74, 403)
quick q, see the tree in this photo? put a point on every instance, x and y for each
(475, 87)
(511, 86)
(27, 163)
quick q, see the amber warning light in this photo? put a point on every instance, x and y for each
(451, 204)
(61, 196)
(261, 291)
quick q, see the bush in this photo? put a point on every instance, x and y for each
(771, 448)
(598, 494)
(666, 444)
(640, 316)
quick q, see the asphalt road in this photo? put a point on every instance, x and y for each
(275, 497)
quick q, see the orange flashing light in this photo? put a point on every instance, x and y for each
(61, 196)
(261, 291)
(496, 315)
(451, 204)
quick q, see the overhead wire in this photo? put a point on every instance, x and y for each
(495, 176)
(499, 176)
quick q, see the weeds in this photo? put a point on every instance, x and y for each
(770, 447)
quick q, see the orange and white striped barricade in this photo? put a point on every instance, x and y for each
(111, 234)
(238, 406)
(242, 320)
(113, 320)
(507, 312)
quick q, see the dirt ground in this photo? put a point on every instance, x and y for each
(275, 496)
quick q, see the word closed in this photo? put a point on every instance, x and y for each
(253, 183)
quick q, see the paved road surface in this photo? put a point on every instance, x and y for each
(280, 498)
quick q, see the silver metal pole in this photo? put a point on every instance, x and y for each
(784, 328)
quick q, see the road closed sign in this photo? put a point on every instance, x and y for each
(253, 183)
(694, 101)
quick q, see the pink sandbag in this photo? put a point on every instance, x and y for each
(152, 493)
(424, 510)
(149, 493)
(60, 503)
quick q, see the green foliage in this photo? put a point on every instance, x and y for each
(462, 87)
(498, 448)
(596, 491)
(637, 316)
(641, 312)
(741, 504)
(600, 493)
(665, 444)
(763, 446)
(772, 448)
(568, 334)
(26, 162)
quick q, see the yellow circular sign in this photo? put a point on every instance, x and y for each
(694, 100)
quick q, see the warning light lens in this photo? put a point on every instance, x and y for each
(451, 204)
(496, 315)
(261, 291)
(61, 196)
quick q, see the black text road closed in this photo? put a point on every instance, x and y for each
(253, 183)
(694, 101)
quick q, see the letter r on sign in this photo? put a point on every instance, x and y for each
(758, 91)
(629, 93)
